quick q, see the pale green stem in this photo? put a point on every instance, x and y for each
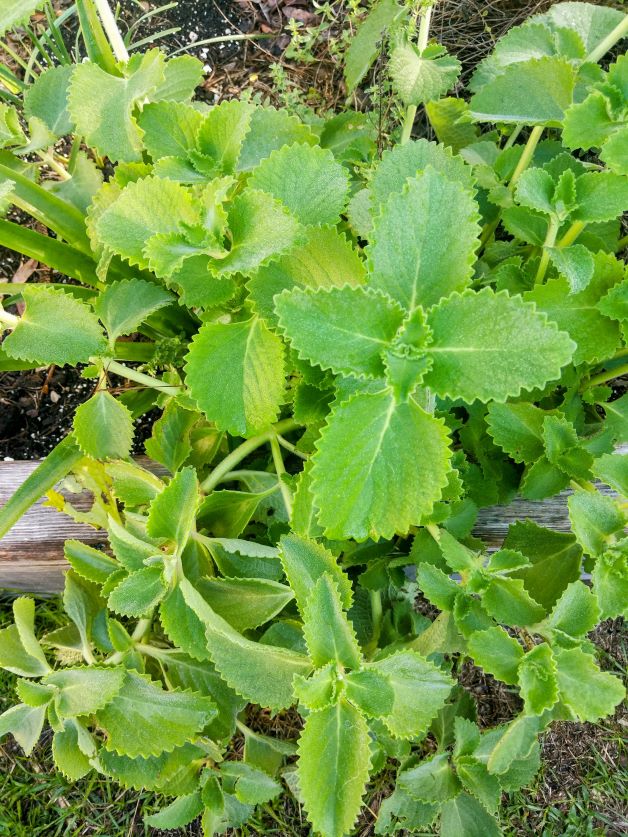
(291, 448)
(111, 28)
(242, 451)
(50, 161)
(550, 240)
(376, 614)
(142, 628)
(8, 320)
(423, 37)
(133, 375)
(511, 139)
(608, 375)
(619, 32)
(280, 469)
(572, 233)
(434, 531)
(528, 153)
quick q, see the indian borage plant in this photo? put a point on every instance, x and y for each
(427, 334)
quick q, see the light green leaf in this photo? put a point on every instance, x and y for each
(14, 13)
(363, 47)
(170, 129)
(576, 612)
(324, 259)
(601, 196)
(145, 720)
(182, 626)
(575, 264)
(496, 652)
(24, 615)
(389, 477)
(333, 767)
(182, 75)
(175, 773)
(318, 690)
(592, 23)
(518, 739)
(67, 754)
(534, 92)
(221, 135)
(307, 180)
(123, 306)
(103, 106)
(245, 602)
(139, 592)
(25, 724)
(271, 129)
(262, 675)
(465, 816)
(172, 513)
(537, 680)
(491, 346)
(178, 814)
(451, 120)
(55, 328)
(479, 783)
(419, 263)
(304, 561)
(371, 691)
(431, 779)
(438, 587)
(517, 429)
(591, 694)
(47, 99)
(420, 77)
(103, 427)
(145, 208)
(507, 600)
(420, 688)
(227, 513)
(82, 602)
(84, 691)
(535, 190)
(170, 441)
(610, 582)
(342, 329)
(248, 398)
(328, 633)
(594, 520)
(15, 658)
(615, 303)
(130, 551)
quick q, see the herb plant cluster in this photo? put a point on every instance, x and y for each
(352, 355)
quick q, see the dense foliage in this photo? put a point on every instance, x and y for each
(352, 355)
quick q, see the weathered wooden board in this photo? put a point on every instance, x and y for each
(31, 554)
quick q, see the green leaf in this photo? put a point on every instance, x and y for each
(182, 75)
(610, 582)
(451, 120)
(262, 675)
(145, 720)
(419, 263)
(47, 99)
(363, 47)
(103, 427)
(371, 691)
(172, 513)
(222, 132)
(170, 441)
(178, 814)
(496, 652)
(182, 626)
(102, 105)
(439, 588)
(25, 724)
(175, 773)
(589, 693)
(555, 559)
(55, 328)
(420, 77)
(130, 551)
(90, 563)
(592, 23)
(333, 767)
(575, 264)
(67, 753)
(615, 303)
(307, 180)
(320, 689)
(507, 600)
(170, 129)
(479, 783)
(342, 329)
(123, 306)
(431, 779)
(261, 229)
(82, 602)
(227, 513)
(517, 429)
(145, 208)
(304, 561)
(491, 346)
(245, 602)
(534, 92)
(252, 786)
(420, 688)
(84, 691)
(14, 656)
(465, 816)
(14, 13)
(138, 593)
(594, 520)
(537, 680)
(516, 742)
(271, 129)
(328, 633)
(356, 489)
(246, 400)
(576, 612)
(597, 337)
(601, 196)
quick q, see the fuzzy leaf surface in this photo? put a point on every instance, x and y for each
(496, 652)
(591, 694)
(328, 633)
(304, 561)
(103, 427)
(123, 306)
